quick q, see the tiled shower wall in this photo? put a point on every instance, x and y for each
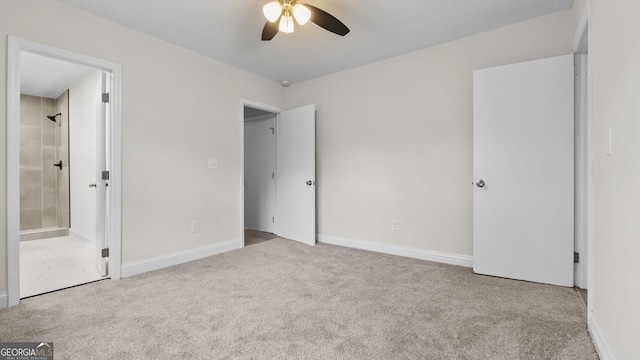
(42, 204)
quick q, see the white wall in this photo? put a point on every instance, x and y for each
(83, 115)
(394, 138)
(615, 57)
(178, 110)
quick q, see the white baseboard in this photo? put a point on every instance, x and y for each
(600, 342)
(4, 300)
(435, 256)
(82, 237)
(156, 263)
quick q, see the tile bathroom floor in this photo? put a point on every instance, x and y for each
(55, 263)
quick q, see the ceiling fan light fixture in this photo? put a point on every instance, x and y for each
(301, 13)
(272, 11)
(286, 24)
(285, 11)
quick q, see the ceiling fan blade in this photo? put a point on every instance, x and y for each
(327, 21)
(270, 30)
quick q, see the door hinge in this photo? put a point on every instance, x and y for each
(105, 253)
(273, 131)
(105, 175)
(576, 258)
(273, 219)
(273, 175)
(105, 98)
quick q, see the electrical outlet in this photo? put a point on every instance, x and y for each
(395, 225)
(195, 226)
(213, 164)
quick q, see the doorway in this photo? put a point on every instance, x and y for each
(70, 233)
(259, 175)
(57, 231)
(278, 179)
(59, 116)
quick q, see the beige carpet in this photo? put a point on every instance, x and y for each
(282, 300)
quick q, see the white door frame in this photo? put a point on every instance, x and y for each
(259, 106)
(584, 198)
(15, 46)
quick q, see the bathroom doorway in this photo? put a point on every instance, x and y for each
(59, 116)
(104, 181)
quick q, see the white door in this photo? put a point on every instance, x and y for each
(259, 174)
(523, 157)
(296, 174)
(102, 182)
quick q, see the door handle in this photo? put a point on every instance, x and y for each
(92, 185)
(480, 183)
(59, 164)
(311, 182)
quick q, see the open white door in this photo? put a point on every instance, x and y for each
(523, 156)
(102, 175)
(296, 174)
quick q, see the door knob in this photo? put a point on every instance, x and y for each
(310, 182)
(480, 183)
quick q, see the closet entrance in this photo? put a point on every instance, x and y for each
(279, 183)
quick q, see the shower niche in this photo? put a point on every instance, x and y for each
(44, 166)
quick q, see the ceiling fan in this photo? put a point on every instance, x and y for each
(280, 15)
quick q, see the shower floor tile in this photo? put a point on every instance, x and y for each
(55, 263)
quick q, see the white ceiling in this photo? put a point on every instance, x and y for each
(229, 30)
(47, 77)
